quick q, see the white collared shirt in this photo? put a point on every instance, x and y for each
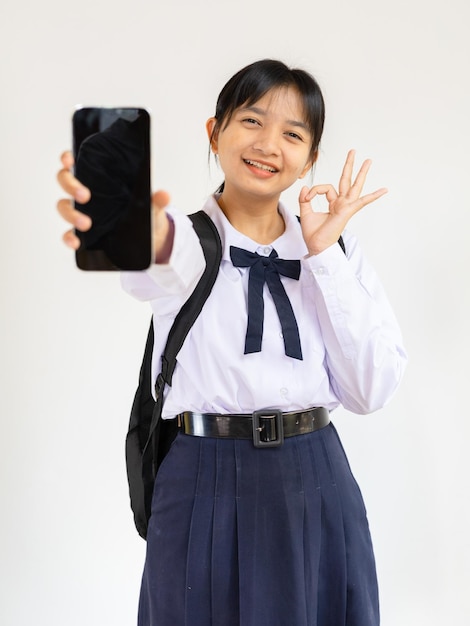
(351, 343)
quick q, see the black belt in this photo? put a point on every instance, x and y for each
(267, 428)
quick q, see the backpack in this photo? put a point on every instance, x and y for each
(149, 437)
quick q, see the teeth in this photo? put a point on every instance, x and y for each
(261, 166)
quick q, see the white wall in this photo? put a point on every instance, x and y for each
(395, 77)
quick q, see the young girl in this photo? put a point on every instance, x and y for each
(244, 533)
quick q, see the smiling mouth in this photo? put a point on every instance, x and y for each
(261, 166)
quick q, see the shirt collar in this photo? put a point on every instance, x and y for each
(290, 245)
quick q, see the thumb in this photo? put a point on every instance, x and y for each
(160, 199)
(305, 198)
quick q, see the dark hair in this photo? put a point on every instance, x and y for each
(252, 82)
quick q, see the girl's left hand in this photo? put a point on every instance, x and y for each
(321, 230)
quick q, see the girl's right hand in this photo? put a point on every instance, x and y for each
(162, 226)
(65, 206)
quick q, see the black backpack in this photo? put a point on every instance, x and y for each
(149, 438)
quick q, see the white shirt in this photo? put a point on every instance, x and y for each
(351, 343)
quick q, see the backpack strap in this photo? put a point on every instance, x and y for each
(159, 434)
(212, 248)
(341, 243)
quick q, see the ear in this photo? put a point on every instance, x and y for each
(212, 133)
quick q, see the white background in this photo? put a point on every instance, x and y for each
(395, 79)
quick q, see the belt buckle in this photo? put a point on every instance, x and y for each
(268, 430)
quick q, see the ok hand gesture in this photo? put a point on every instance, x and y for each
(321, 230)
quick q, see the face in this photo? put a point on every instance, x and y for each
(265, 147)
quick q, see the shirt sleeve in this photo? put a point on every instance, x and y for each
(168, 285)
(364, 348)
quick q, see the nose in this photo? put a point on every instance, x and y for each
(267, 141)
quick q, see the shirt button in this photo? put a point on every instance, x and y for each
(283, 391)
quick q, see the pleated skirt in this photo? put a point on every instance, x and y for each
(242, 536)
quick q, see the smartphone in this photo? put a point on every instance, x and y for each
(111, 148)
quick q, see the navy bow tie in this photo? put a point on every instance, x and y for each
(263, 268)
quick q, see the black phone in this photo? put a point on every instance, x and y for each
(111, 148)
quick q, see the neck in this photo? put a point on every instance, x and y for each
(259, 220)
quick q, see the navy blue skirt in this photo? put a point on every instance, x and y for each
(242, 536)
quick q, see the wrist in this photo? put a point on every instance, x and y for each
(164, 244)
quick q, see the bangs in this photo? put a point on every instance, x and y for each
(253, 82)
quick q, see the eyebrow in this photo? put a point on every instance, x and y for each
(258, 111)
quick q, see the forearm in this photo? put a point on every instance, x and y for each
(363, 343)
(178, 267)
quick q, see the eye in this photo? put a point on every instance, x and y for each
(294, 136)
(250, 120)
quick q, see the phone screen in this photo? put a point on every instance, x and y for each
(112, 158)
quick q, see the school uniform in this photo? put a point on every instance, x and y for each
(265, 536)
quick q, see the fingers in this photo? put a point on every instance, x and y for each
(346, 175)
(307, 195)
(69, 183)
(356, 188)
(346, 187)
(349, 199)
(72, 186)
(371, 197)
(70, 214)
(71, 240)
(65, 206)
(353, 191)
(79, 220)
(358, 185)
(67, 159)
